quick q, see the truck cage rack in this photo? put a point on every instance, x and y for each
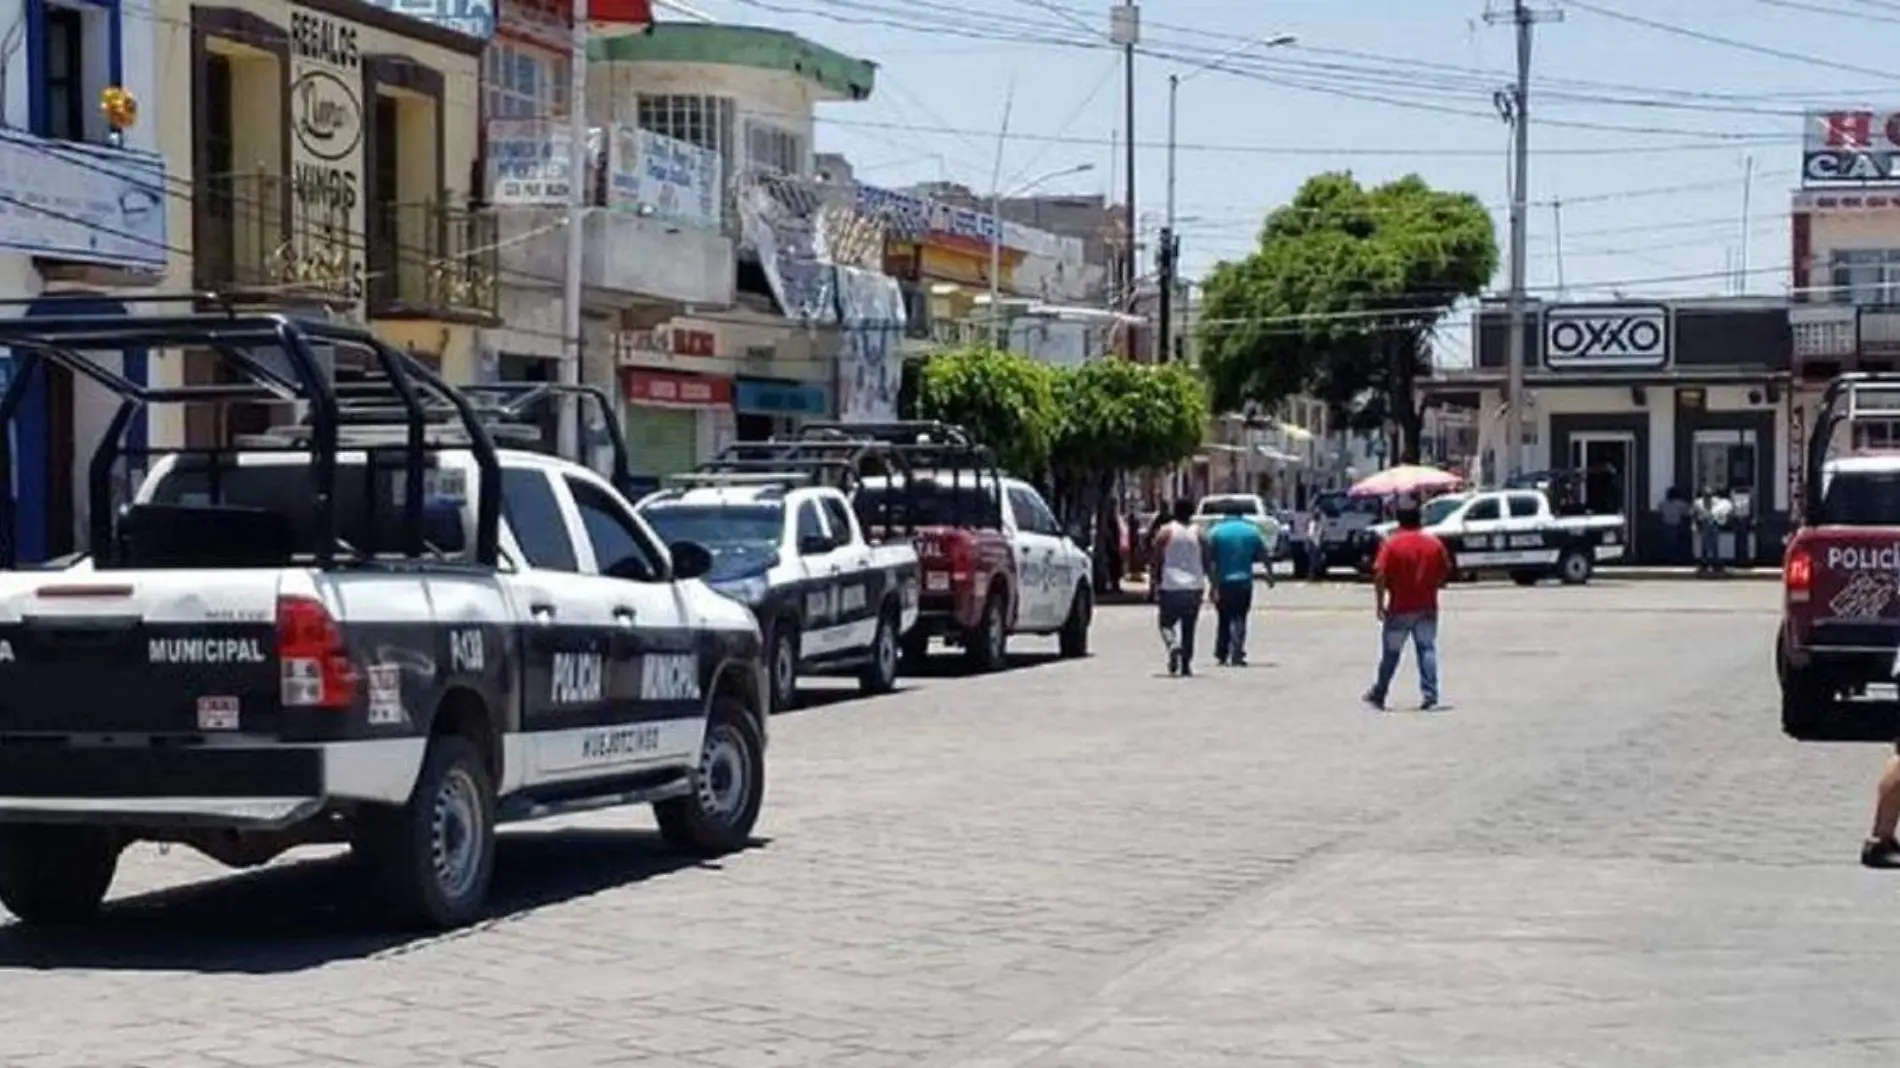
(779, 465)
(1856, 397)
(287, 355)
(928, 446)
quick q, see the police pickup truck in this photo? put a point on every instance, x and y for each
(1514, 531)
(827, 601)
(373, 629)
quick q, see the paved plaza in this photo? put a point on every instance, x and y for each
(1605, 854)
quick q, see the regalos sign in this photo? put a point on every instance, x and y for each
(326, 156)
(1850, 147)
(1591, 336)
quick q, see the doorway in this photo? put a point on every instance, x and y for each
(1603, 464)
(1727, 461)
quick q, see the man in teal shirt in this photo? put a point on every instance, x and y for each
(1234, 544)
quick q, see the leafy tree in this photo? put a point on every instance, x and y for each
(1341, 299)
(1007, 400)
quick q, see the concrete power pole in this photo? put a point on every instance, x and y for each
(1517, 109)
(1125, 30)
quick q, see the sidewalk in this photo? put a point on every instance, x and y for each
(1137, 592)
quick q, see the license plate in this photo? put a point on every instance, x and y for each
(937, 582)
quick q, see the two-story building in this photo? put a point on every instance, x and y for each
(330, 148)
(699, 371)
(87, 206)
(1642, 397)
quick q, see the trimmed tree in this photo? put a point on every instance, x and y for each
(1007, 400)
(1342, 297)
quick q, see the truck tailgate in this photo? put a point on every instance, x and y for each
(1854, 600)
(139, 652)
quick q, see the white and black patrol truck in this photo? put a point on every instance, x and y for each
(1516, 532)
(828, 601)
(372, 626)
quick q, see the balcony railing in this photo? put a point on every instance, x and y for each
(430, 261)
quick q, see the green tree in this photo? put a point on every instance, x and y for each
(1007, 400)
(1342, 297)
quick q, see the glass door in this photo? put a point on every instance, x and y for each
(1604, 481)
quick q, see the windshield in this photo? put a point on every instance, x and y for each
(927, 504)
(1334, 505)
(1862, 499)
(721, 528)
(1231, 506)
(1437, 510)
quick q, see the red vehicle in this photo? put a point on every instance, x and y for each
(1841, 609)
(952, 497)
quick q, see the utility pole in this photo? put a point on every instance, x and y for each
(1124, 28)
(1748, 189)
(1517, 111)
(570, 375)
(1557, 233)
(1164, 274)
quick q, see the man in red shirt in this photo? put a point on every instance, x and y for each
(1411, 566)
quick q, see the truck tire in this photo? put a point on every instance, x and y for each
(1806, 701)
(986, 648)
(1574, 567)
(916, 647)
(1525, 578)
(728, 787)
(56, 875)
(1074, 639)
(880, 675)
(781, 665)
(435, 856)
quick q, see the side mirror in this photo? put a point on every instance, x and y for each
(691, 560)
(814, 545)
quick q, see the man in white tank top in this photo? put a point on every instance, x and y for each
(1179, 580)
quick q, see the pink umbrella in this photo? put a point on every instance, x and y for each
(1406, 478)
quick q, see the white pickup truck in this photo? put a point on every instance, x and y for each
(1515, 531)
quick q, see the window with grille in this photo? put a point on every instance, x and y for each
(705, 121)
(770, 148)
(525, 81)
(1865, 277)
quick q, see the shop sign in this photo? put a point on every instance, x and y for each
(1797, 458)
(528, 162)
(664, 343)
(1850, 147)
(475, 18)
(326, 157)
(1606, 336)
(663, 389)
(774, 396)
(672, 180)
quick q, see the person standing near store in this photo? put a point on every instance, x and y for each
(1177, 584)
(1235, 544)
(1675, 513)
(1411, 567)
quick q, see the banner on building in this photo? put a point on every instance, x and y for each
(528, 162)
(668, 178)
(870, 358)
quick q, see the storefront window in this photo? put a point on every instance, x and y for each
(525, 81)
(1725, 461)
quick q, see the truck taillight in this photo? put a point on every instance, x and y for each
(314, 663)
(962, 559)
(1798, 576)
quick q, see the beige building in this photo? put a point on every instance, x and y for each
(330, 147)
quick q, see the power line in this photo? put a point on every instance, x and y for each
(1728, 42)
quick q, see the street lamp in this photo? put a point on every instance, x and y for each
(1174, 87)
(996, 241)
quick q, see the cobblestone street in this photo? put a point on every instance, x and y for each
(1606, 853)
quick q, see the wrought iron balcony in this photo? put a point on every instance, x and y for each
(431, 261)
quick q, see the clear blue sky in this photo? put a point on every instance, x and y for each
(1684, 111)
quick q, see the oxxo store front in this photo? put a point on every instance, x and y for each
(1642, 397)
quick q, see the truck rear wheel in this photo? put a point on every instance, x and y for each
(1806, 699)
(435, 856)
(53, 875)
(1574, 567)
(987, 646)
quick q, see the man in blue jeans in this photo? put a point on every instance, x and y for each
(1411, 567)
(1235, 544)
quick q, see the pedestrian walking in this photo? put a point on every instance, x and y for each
(1235, 544)
(1178, 583)
(1410, 569)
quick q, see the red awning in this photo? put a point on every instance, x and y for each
(621, 12)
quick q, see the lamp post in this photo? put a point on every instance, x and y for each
(997, 338)
(1174, 88)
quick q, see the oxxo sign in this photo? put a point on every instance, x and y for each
(326, 154)
(1606, 335)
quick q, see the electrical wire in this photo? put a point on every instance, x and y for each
(1727, 42)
